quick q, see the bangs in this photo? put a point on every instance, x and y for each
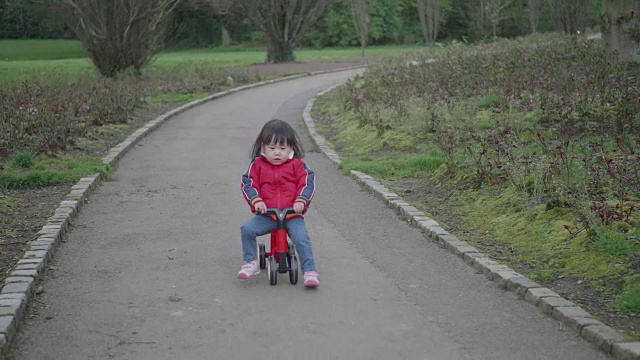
(278, 134)
(278, 139)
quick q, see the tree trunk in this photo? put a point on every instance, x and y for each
(226, 38)
(429, 14)
(360, 15)
(118, 36)
(283, 22)
(533, 12)
(571, 16)
(621, 28)
(280, 52)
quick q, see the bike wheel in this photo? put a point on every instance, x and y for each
(282, 263)
(272, 270)
(263, 255)
(293, 268)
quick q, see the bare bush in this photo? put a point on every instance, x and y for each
(46, 117)
(51, 116)
(495, 106)
(118, 34)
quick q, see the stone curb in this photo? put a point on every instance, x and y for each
(20, 286)
(601, 336)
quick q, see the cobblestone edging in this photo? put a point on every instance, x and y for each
(20, 287)
(603, 337)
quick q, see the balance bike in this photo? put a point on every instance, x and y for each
(282, 256)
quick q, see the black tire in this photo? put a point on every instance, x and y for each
(293, 268)
(272, 270)
(282, 263)
(263, 256)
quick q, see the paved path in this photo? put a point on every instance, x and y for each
(149, 271)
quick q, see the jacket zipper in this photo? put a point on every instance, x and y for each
(278, 184)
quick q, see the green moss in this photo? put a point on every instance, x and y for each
(7, 204)
(488, 101)
(537, 235)
(98, 138)
(483, 120)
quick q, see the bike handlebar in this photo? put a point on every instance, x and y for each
(279, 213)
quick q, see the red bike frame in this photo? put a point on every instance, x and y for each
(278, 242)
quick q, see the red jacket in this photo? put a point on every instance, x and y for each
(279, 186)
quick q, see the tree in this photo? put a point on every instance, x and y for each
(360, 11)
(29, 19)
(534, 7)
(487, 15)
(429, 14)
(118, 34)
(284, 23)
(571, 16)
(495, 13)
(621, 28)
(220, 8)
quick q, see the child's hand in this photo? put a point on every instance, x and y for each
(298, 207)
(260, 207)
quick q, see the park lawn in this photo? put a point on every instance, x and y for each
(55, 60)
(38, 49)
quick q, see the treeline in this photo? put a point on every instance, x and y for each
(390, 22)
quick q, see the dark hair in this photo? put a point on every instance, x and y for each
(279, 132)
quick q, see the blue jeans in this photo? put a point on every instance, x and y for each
(261, 225)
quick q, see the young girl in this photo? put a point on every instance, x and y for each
(277, 178)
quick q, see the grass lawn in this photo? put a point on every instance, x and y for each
(64, 59)
(36, 49)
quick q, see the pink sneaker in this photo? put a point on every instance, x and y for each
(311, 279)
(249, 270)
